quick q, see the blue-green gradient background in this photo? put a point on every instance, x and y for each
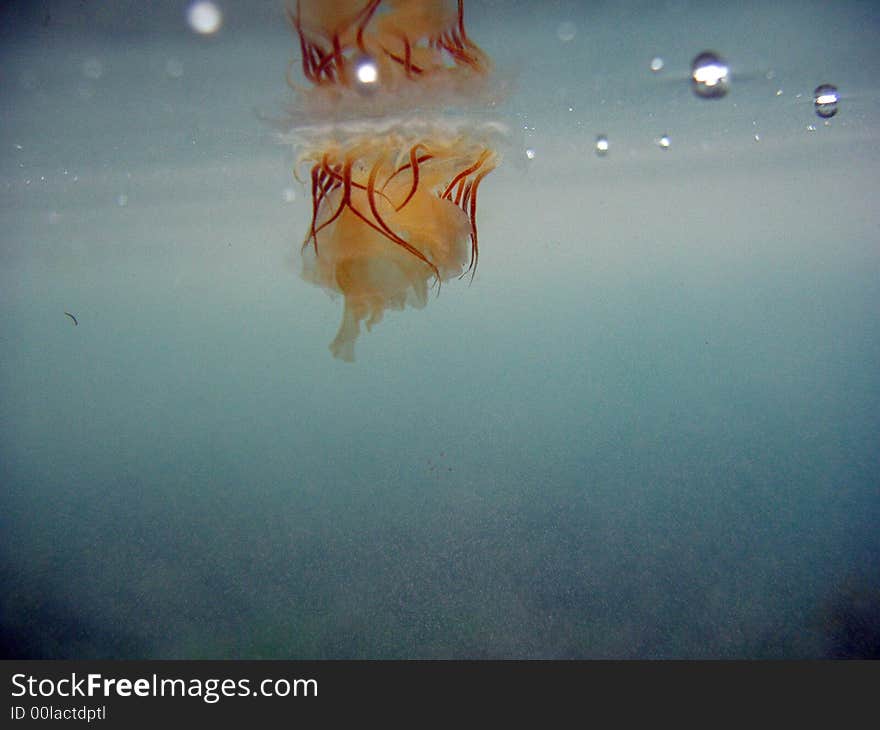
(649, 428)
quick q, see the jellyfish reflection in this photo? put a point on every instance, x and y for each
(410, 40)
(394, 198)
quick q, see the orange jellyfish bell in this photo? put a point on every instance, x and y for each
(394, 199)
(391, 214)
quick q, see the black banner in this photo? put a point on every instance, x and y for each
(128, 694)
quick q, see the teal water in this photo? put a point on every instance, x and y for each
(648, 428)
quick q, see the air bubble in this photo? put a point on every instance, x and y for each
(204, 17)
(602, 145)
(664, 142)
(366, 74)
(710, 76)
(825, 99)
(657, 64)
(566, 31)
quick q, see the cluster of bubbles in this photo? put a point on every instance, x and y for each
(602, 145)
(710, 79)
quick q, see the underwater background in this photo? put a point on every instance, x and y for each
(648, 428)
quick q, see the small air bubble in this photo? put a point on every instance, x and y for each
(602, 145)
(710, 76)
(566, 31)
(530, 153)
(757, 138)
(664, 142)
(778, 92)
(825, 99)
(811, 127)
(204, 17)
(366, 75)
(657, 64)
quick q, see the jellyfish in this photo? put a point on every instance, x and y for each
(394, 195)
(414, 46)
